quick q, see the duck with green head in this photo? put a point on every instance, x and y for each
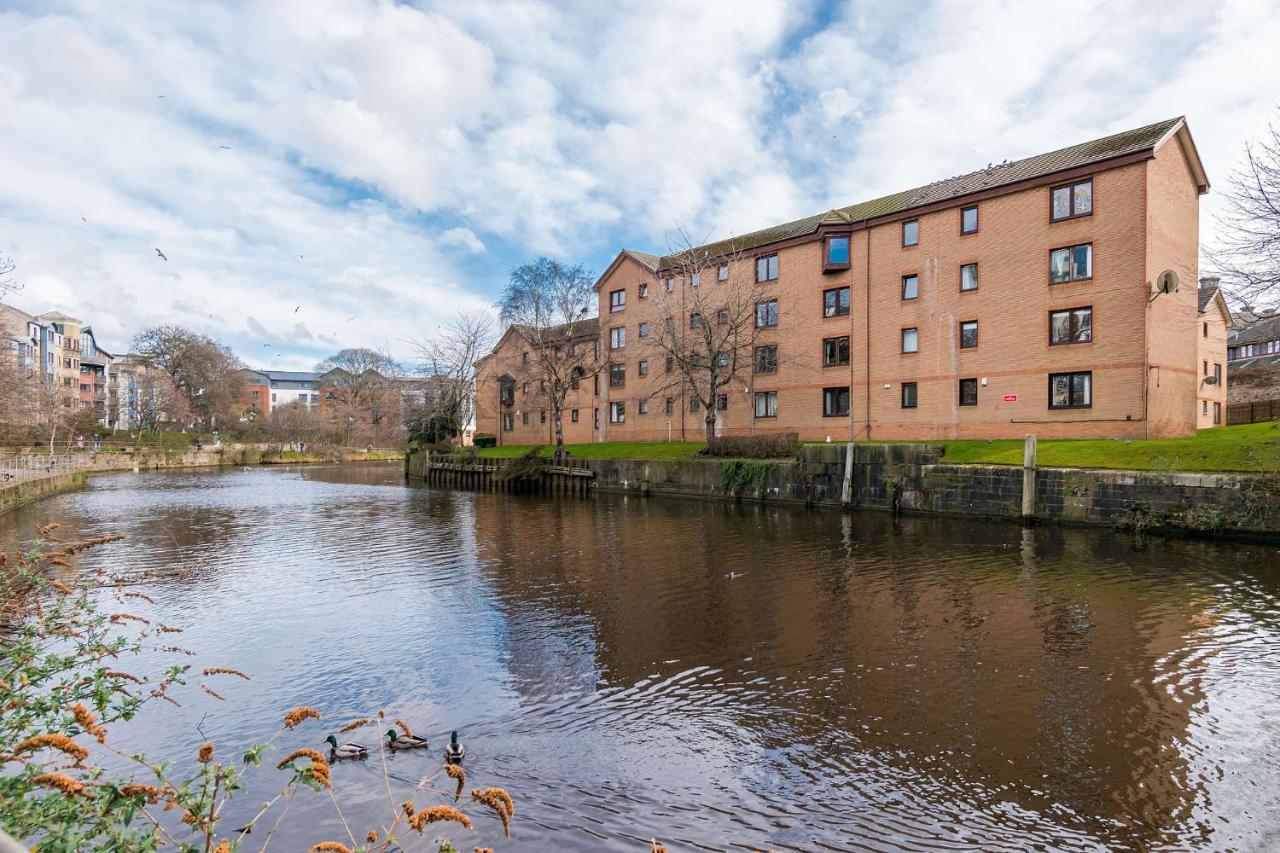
(396, 740)
(454, 751)
(346, 750)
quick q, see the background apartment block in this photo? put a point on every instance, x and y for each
(1020, 298)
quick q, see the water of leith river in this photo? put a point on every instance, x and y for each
(719, 677)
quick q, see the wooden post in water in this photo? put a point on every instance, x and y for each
(1029, 478)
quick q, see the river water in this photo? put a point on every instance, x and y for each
(716, 676)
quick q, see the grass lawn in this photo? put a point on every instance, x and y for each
(1247, 447)
(606, 450)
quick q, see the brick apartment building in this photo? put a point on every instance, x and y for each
(1020, 298)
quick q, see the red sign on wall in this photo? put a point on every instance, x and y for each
(1011, 398)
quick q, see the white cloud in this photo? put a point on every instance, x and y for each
(360, 133)
(462, 237)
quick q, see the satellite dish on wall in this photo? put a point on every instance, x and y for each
(1167, 282)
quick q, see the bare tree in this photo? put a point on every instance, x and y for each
(1247, 254)
(552, 306)
(204, 371)
(7, 284)
(445, 401)
(710, 325)
(363, 383)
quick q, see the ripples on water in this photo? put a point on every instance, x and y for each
(864, 684)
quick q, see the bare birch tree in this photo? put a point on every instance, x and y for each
(1247, 253)
(711, 322)
(445, 402)
(552, 307)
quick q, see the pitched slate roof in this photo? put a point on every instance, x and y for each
(1260, 330)
(1206, 295)
(1107, 148)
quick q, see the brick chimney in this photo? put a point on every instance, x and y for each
(1210, 280)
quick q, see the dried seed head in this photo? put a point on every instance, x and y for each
(55, 741)
(205, 753)
(498, 800)
(297, 715)
(436, 814)
(224, 670)
(128, 676)
(455, 771)
(141, 595)
(88, 722)
(304, 752)
(657, 848)
(153, 793)
(64, 783)
(372, 837)
(330, 847)
(354, 724)
(120, 618)
(60, 587)
(168, 629)
(215, 694)
(404, 727)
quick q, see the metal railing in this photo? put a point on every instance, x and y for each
(24, 467)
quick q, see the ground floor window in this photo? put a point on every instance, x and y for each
(671, 406)
(617, 413)
(766, 404)
(508, 422)
(573, 416)
(722, 402)
(968, 392)
(524, 418)
(1217, 413)
(909, 395)
(1071, 390)
(835, 402)
(542, 416)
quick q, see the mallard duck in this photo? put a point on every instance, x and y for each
(396, 740)
(346, 750)
(454, 751)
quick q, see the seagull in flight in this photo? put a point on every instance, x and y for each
(82, 219)
(295, 310)
(162, 255)
(227, 147)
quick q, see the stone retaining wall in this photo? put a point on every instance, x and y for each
(17, 494)
(915, 479)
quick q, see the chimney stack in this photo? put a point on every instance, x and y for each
(1210, 280)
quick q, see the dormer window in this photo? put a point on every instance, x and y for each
(835, 253)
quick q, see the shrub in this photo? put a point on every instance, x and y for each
(754, 446)
(484, 439)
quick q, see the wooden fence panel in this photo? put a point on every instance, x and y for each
(1254, 412)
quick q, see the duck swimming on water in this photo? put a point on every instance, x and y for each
(454, 751)
(400, 741)
(346, 750)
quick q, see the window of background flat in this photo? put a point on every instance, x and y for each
(969, 220)
(1071, 200)
(910, 286)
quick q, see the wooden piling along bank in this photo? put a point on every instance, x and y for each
(492, 475)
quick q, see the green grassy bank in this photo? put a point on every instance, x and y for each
(1248, 447)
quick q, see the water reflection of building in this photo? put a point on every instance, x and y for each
(1049, 676)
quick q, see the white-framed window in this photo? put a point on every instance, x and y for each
(617, 337)
(766, 404)
(617, 412)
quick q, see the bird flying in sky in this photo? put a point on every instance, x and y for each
(162, 255)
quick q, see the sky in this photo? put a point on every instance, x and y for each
(323, 174)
